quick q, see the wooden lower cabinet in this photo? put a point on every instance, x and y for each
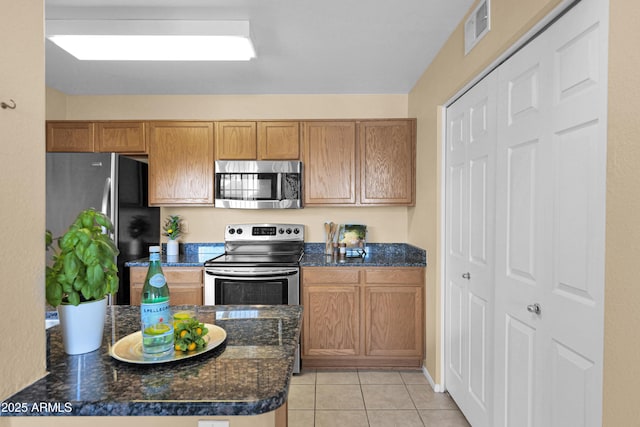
(361, 317)
(185, 284)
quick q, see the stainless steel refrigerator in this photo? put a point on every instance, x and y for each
(110, 183)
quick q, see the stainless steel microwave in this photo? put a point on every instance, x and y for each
(251, 184)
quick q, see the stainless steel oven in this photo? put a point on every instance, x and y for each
(252, 285)
(260, 265)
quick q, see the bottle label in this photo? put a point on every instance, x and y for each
(157, 280)
(157, 312)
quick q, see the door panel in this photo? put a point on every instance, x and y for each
(455, 348)
(478, 372)
(469, 239)
(550, 225)
(478, 193)
(519, 368)
(521, 216)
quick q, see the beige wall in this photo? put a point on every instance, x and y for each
(207, 224)
(22, 353)
(622, 293)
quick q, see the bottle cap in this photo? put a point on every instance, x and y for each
(153, 249)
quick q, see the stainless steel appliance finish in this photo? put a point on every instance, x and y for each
(110, 183)
(248, 184)
(261, 265)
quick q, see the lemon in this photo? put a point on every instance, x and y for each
(182, 316)
(157, 329)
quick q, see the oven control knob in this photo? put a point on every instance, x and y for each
(239, 231)
(288, 231)
(281, 231)
(296, 231)
(232, 231)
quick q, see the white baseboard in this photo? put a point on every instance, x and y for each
(438, 388)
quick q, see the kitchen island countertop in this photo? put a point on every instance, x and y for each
(249, 374)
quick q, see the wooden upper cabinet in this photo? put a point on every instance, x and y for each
(121, 137)
(329, 151)
(387, 162)
(278, 141)
(66, 136)
(181, 163)
(236, 141)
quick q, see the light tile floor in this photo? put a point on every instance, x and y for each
(369, 398)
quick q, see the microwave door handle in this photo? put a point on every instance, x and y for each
(279, 184)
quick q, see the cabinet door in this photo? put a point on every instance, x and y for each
(72, 137)
(185, 284)
(331, 298)
(121, 137)
(236, 141)
(180, 163)
(278, 140)
(333, 320)
(387, 162)
(393, 312)
(393, 321)
(330, 163)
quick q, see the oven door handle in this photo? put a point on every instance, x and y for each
(252, 275)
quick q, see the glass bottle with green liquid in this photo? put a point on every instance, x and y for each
(155, 315)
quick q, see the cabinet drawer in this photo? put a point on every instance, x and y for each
(173, 275)
(323, 275)
(394, 275)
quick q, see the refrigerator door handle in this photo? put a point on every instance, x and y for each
(105, 198)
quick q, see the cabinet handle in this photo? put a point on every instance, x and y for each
(466, 276)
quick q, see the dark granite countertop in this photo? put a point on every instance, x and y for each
(377, 255)
(249, 374)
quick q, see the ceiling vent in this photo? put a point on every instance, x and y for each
(477, 25)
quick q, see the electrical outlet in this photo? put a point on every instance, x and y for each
(213, 423)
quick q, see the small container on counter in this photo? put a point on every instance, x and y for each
(342, 250)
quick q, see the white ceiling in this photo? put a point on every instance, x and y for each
(302, 46)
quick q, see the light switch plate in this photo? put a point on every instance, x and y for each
(213, 423)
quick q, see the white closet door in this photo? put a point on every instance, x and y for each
(470, 161)
(550, 223)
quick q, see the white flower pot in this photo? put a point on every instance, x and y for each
(172, 248)
(82, 326)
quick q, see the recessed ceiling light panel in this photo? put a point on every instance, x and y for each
(144, 40)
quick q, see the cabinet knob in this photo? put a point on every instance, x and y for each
(466, 276)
